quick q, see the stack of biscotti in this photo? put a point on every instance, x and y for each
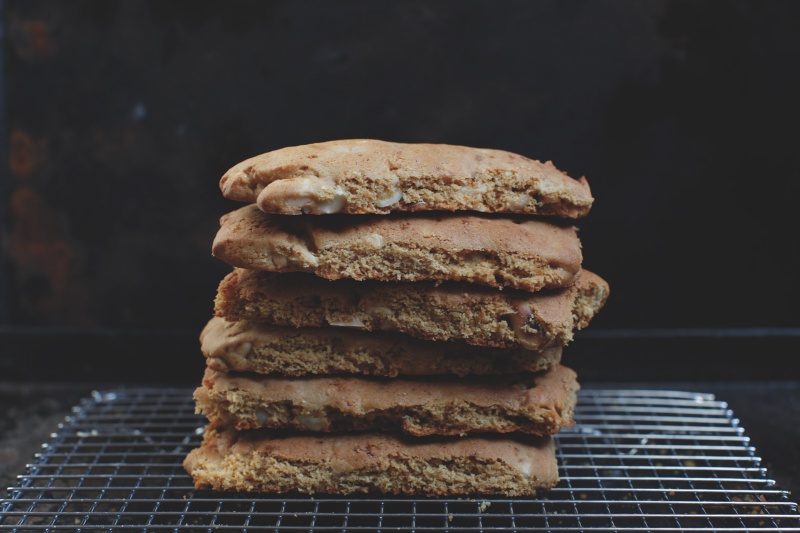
(394, 322)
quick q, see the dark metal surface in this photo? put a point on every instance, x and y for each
(637, 460)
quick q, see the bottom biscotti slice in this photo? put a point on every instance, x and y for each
(374, 463)
(539, 404)
(246, 346)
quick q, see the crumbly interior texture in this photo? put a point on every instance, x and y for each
(539, 404)
(446, 312)
(372, 463)
(246, 346)
(521, 253)
(369, 176)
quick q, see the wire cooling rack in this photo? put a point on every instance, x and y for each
(635, 461)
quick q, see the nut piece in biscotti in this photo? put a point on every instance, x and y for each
(245, 346)
(258, 461)
(447, 312)
(537, 404)
(527, 254)
(369, 176)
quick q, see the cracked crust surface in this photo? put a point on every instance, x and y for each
(538, 404)
(258, 461)
(526, 254)
(447, 312)
(360, 176)
(246, 346)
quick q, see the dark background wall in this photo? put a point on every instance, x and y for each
(120, 117)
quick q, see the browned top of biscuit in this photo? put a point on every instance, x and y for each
(370, 176)
(247, 346)
(518, 252)
(552, 390)
(448, 311)
(251, 227)
(356, 451)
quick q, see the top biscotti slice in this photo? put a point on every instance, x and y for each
(521, 253)
(369, 176)
(450, 311)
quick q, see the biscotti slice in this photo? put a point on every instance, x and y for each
(369, 176)
(257, 461)
(246, 346)
(538, 404)
(470, 313)
(527, 254)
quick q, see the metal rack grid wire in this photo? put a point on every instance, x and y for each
(635, 461)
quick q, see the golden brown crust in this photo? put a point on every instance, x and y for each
(369, 176)
(246, 346)
(448, 312)
(372, 463)
(538, 404)
(520, 253)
